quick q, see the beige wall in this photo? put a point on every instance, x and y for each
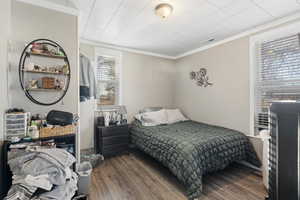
(146, 81)
(5, 14)
(226, 103)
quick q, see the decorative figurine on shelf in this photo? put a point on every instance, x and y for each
(39, 48)
(33, 84)
(65, 69)
(53, 52)
(44, 69)
(60, 52)
(45, 49)
(37, 68)
(58, 69)
(29, 66)
(52, 69)
(59, 84)
(62, 84)
(40, 83)
(36, 48)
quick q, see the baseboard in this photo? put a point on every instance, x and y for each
(250, 166)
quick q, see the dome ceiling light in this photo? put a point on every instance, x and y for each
(163, 10)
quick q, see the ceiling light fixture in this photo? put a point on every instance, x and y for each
(163, 10)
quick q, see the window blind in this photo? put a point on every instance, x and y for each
(107, 80)
(105, 69)
(278, 77)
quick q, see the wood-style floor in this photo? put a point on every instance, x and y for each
(139, 177)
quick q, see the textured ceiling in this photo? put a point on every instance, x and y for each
(133, 24)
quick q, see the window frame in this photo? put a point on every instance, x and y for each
(117, 55)
(254, 55)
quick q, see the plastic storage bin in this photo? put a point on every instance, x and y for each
(84, 174)
(16, 125)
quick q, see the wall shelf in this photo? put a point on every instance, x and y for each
(44, 72)
(45, 55)
(44, 90)
(27, 82)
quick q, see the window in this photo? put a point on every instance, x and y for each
(107, 77)
(277, 76)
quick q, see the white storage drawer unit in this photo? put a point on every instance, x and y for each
(16, 124)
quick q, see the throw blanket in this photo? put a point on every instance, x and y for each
(191, 149)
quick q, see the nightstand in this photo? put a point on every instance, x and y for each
(112, 140)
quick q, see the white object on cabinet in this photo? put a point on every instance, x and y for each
(265, 136)
(16, 125)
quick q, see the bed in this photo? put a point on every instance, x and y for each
(191, 149)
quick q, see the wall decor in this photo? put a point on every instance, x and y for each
(44, 72)
(200, 77)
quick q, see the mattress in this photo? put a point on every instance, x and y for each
(191, 149)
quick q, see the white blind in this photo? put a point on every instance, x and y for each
(278, 77)
(107, 80)
(105, 69)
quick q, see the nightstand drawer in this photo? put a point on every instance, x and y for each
(114, 149)
(115, 130)
(122, 139)
(112, 140)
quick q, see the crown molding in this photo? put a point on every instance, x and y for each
(115, 47)
(264, 27)
(54, 6)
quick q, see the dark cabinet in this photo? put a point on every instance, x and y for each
(284, 152)
(112, 140)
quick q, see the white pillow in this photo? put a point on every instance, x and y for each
(174, 115)
(153, 118)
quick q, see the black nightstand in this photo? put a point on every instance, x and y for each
(112, 140)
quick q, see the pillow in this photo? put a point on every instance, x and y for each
(150, 109)
(174, 115)
(153, 118)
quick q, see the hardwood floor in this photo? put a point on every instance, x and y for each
(139, 177)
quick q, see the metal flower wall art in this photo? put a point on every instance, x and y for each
(200, 77)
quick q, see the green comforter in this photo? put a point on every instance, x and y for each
(191, 149)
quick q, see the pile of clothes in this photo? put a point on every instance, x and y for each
(42, 174)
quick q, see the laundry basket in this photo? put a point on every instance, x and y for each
(84, 173)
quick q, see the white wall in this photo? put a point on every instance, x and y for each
(29, 23)
(226, 103)
(146, 81)
(5, 14)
